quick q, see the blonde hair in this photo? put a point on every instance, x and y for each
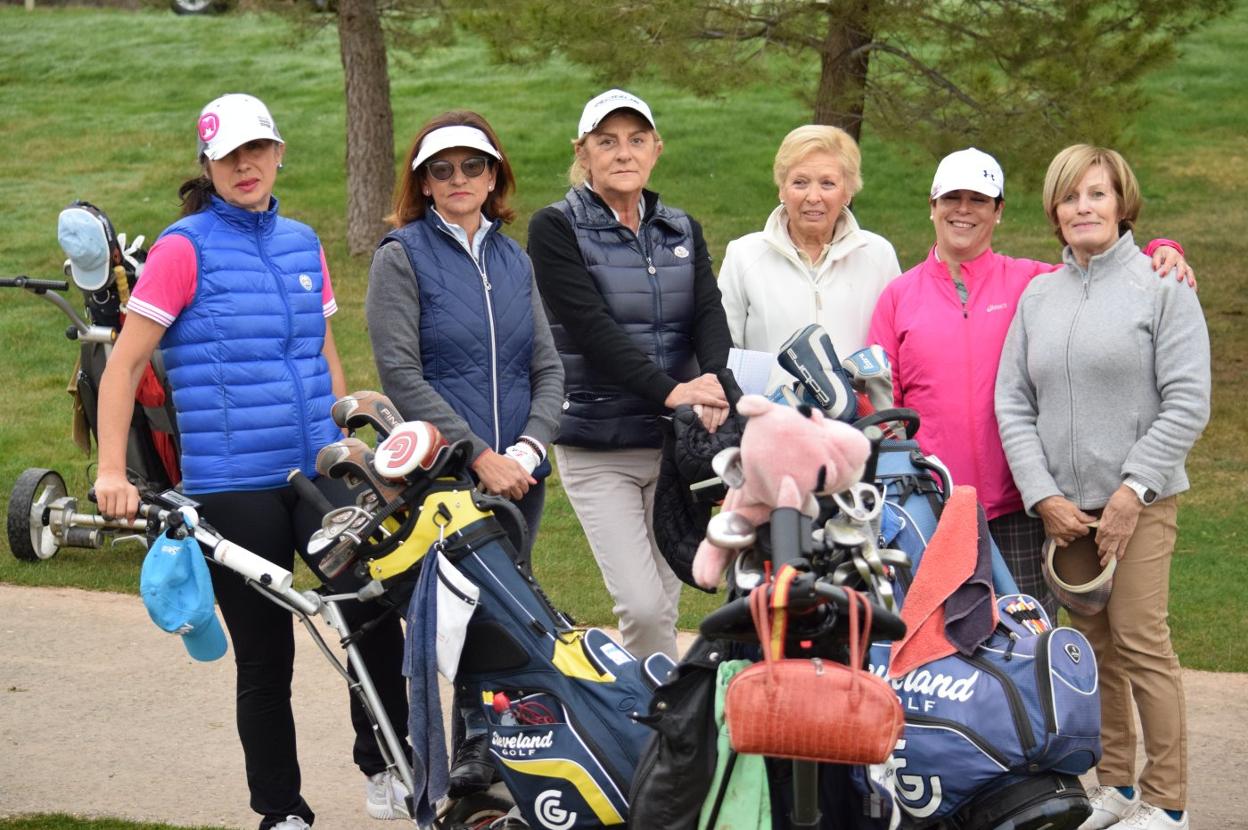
(577, 174)
(1070, 166)
(816, 138)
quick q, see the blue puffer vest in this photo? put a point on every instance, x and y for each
(476, 326)
(250, 385)
(647, 282)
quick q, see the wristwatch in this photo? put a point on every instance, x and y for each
(1146, 494)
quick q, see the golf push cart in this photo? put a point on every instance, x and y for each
(43, 517)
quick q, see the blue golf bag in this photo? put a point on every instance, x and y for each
(997, 739)
(560, 701)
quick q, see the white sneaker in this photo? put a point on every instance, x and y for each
(1109, 807)
(292, 823)
(386, 796)
(1148, 817)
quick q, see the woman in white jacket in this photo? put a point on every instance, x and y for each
(811, 263)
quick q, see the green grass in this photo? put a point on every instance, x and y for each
(107, 117)
(60, 821)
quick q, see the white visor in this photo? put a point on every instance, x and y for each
(459, 135)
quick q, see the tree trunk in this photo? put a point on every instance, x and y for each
(843, 76)
(370, 123)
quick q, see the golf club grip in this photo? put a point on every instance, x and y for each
(244, 562)
(309, 492)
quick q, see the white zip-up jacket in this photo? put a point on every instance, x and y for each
(770, 292)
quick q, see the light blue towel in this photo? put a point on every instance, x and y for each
(430, 767)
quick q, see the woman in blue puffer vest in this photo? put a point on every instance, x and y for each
(238, 297)
(461, 338)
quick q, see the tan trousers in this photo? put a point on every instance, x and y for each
(1136, 661)
(612, 492)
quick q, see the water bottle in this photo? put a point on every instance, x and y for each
(502, 708)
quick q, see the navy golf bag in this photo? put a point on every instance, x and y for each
(997, 739)
(560, 701)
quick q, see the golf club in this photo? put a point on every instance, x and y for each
(366, 408)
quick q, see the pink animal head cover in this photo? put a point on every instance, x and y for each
(818, 454)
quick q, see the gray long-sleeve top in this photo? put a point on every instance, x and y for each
(1104, 375)
(392, 308)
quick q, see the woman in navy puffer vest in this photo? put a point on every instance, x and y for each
(461, 338)
(238, 297)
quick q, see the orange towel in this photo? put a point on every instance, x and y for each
(948, 562)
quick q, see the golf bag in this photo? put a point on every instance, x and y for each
(152, 449)
(997, 739)
(560, 701)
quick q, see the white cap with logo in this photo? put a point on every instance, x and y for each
(230, 122)
(969, 169)
(600, 106)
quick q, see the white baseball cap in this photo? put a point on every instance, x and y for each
(969, 169)
(230, 122)
(457, 135)
(85, 241)
(600, 106)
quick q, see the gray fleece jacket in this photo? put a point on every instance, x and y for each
(1104, 375)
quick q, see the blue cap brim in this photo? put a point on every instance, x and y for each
(206, 642)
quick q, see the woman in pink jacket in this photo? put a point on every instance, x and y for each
(943, 324)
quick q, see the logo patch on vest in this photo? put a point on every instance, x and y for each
(306, 282)
(681, 251)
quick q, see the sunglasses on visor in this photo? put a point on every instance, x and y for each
(441, 169)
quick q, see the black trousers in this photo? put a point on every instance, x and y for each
(274, 524)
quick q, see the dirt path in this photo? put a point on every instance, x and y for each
(101, 714)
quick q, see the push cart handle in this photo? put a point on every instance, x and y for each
(33, 285)
(733, 620)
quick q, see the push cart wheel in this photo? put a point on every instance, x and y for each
(197, 6)
(476, 810)
(30, 538)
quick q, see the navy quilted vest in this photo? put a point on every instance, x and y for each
(647, 281)
(250, 385)
(476, 326)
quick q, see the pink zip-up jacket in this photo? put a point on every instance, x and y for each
(944, 358)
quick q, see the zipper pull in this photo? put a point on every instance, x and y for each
(818, 300)
(651, 269)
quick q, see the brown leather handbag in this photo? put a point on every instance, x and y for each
(811, 709)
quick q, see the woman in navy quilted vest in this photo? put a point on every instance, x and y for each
(238, 299)
(638, 322)
(461, 339)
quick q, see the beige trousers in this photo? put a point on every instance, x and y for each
(1136, 661)
(612, 492)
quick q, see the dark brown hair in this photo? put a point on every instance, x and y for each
(196, 193)
(410, 202)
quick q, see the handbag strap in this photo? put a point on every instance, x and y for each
(858, 635)
(771, 620)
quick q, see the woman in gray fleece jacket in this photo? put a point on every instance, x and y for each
(1102, 391)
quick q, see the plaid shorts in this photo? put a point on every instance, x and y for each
(1020, 539)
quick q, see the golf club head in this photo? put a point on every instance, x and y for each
(810, 357)
(366, 408)
(870, 372)
(730, 530)
(350, 459)
(411, 446)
